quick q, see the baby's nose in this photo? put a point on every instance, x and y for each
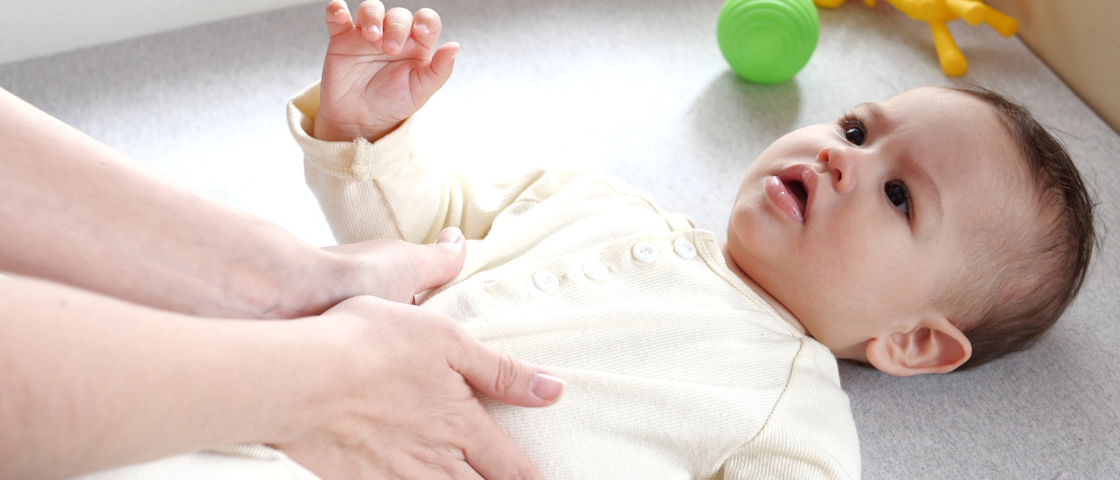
(823, 157)
(842, 166)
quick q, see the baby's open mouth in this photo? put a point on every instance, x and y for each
(790, 194)
(799, 193)
(791, 189)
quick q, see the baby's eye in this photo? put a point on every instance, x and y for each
(899, 196)
(854, 135)
(853, 128)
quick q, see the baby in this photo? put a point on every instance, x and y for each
(934, 231)
(931, 232)
(939, 229)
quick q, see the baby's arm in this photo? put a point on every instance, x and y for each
(810, 433)
(355, 130)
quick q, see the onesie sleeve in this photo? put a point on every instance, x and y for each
(379, 190)
(810, 434)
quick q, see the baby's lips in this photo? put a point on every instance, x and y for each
(808, 177)
(811, 178)
(781, 196)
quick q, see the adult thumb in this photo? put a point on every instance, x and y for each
(503, 377)
(447, 255)
(435, 264)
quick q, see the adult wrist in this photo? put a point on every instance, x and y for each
(316, 282)
(279, 278)
(311, 363)
(279, 378)
(336, 278)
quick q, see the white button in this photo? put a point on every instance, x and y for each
(684, 248)
(595, 271)
(546, 281)
(645, 252)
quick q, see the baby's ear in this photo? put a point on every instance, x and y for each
(934, 346)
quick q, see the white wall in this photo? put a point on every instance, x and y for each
(32, 28)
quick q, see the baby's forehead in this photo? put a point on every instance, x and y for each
(932, 103)
(949, 122)
(991, 197)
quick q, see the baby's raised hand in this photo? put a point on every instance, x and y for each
(380, 70)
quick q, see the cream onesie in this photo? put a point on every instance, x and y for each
(675, 368)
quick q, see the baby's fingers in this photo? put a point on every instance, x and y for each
(371, 14)
(398, 26)
(426, 28)
(338, 17)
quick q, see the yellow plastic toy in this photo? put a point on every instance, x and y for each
(936, 13)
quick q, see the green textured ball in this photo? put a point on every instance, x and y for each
(768, 41)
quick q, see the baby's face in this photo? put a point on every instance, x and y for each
(855, 225)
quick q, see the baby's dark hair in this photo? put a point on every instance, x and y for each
(1032, 283)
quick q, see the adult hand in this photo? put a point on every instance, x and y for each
(396, 270)
(370, 389)
(406, 408)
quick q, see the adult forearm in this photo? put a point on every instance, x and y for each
(91, 382)
(78, 212)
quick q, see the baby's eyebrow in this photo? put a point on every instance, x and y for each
(923, 178)
(873, 110)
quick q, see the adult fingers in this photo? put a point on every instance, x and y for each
(463, 471)
(397, 270)
(371, 15)
(426, 27)
(338, 18)
(398, 26)
(503, 377)
(494, 455)
(438, 263)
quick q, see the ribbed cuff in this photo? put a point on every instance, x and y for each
(357, 160)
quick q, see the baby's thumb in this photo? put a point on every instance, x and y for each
(436, 73)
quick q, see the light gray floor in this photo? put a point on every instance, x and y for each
(638, 89)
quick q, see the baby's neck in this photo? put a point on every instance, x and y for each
(770, 300)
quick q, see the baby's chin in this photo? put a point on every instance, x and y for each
(732, 253)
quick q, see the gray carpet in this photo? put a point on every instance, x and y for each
(639, 89)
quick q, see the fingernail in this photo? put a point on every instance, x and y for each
(546, 387)
(374, 29)
(390, 46)
(420, 27)
(450, 235)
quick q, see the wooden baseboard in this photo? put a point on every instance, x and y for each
(1080, 41)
